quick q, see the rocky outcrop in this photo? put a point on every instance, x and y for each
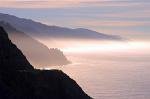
(19, 80)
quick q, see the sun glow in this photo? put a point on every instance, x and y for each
(109, 47)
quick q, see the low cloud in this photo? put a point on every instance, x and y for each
(110, 23)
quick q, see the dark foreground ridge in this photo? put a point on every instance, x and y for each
(19, 80)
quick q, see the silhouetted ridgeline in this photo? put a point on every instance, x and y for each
(19, 80)
(37, 29)
(37, 53)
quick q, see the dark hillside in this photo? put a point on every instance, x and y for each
(19, 80)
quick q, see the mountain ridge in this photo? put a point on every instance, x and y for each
(37, 29)
(19, 79)
(36, 52)
(10, 54)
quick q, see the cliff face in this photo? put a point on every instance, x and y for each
(19, 80)
(10, 55)
(37, 53)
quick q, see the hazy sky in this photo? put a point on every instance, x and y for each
(128, 18)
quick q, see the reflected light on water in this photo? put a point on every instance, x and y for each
(109, 47)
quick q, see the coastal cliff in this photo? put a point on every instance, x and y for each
(19, 79)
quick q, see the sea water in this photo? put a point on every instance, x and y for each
(111, 78)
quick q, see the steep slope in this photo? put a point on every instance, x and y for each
(39, 30)
(18, 79)
(10, 55)
(37, 53)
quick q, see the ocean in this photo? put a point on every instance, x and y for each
(111, 78)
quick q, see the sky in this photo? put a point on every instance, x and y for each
(127, 18)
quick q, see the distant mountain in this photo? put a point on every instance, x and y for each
(37, 29)
(19, 80)
(37, 53)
